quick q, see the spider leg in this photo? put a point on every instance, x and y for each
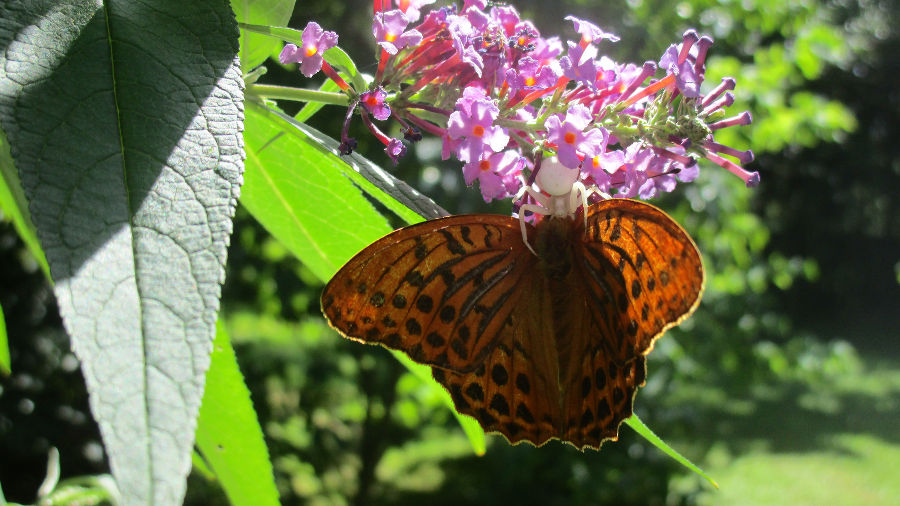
(578, 190)
(538, 197)
(596, 191)
(535, 209)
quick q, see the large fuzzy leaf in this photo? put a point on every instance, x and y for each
(123, 119)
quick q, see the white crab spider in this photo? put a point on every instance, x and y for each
(566, 194)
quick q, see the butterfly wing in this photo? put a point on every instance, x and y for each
(515, 391)
(441, 291)
(530, 352)
(640, 275)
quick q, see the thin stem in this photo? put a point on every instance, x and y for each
(425, 125)
(297, 94)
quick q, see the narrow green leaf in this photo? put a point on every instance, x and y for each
(295, 187)
(256, 48)
(635, 423)
(228, 432)
(123, 120)
(407, 203)
(198, 465)
(14, 205)
(90, 489)
(299, 195)
(469, 425)
(5, 365)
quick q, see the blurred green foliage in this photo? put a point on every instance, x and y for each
(803, 285)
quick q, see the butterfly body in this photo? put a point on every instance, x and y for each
(554, 238)
(535, 346)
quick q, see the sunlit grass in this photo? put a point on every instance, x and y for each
(857, 469)
(836, 443)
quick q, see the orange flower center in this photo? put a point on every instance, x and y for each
(484, 165)
(529, 81)
(371, 100)
(478, 130)
(310, 50)
(569, 138)
(390, 37)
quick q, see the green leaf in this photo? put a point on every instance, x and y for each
(256, 48)
(14, 205)
(298, 189)
(228, 433)
(198, 465)
(298, 193)
(635, 423)
(123, 119)
(5, 365)
(407, 203)
(469, 425)
(96, 489)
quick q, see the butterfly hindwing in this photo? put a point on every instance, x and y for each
(515, 391)
(597, 386)
(440, 290)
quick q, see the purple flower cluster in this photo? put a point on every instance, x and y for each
(502, 97)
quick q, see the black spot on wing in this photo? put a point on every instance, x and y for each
(452, 243)
(499, 374)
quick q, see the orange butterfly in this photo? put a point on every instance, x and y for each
(533, 346)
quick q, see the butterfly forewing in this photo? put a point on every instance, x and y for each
(440, 290)
(644, 270)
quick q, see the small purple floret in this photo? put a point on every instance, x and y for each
(472, 124)
(590, 32)
(373, 101)
(315, 42)
(388, 28)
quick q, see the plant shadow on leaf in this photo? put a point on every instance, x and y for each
(81, 194)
